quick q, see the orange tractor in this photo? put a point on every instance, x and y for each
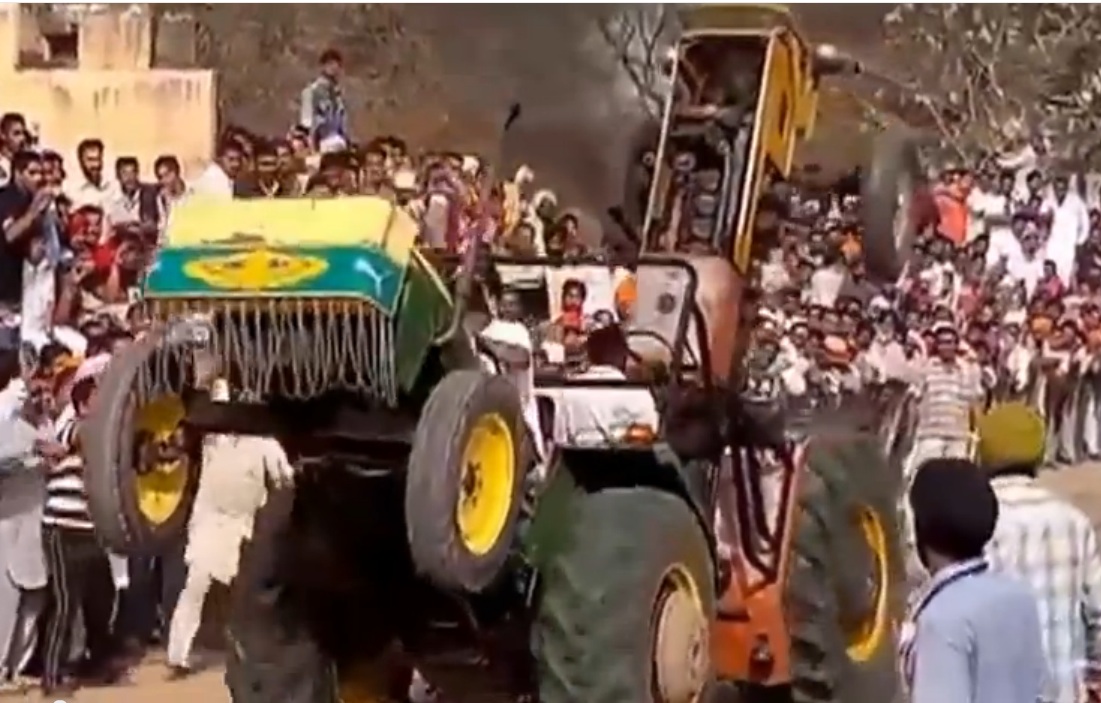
(811, 585)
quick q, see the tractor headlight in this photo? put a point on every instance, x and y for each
(193, 330)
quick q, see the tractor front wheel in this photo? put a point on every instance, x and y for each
(897, 204)
(141, 464)
(465, 480)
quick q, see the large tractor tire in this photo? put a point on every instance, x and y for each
(896, 206)
(465, 482)
(626, 606)
(138, 502)
(275, 654)
(845, 590)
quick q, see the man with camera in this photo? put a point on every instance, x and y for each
(25, 442)
(24, 206)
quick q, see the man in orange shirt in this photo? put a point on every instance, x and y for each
(951, 199)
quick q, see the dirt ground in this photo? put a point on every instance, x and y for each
(1081, 483)
(148, 683)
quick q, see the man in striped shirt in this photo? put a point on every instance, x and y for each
(949, 390)
(80, 574)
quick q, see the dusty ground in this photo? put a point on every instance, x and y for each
(1081, 483)
(147, 684)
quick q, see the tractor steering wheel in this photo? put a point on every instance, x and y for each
(650, 334)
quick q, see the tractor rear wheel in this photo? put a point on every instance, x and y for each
(626, 605)
(845, 587)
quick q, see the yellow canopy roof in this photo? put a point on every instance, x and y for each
(297, 222)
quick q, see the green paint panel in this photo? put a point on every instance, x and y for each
(358, 272)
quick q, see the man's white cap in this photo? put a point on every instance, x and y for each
(524, 174)
(332, 144)
(1015, 317)
(794, 322)
(471, 164)
(405, 179)
(942, 327)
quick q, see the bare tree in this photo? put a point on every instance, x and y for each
(638, 36)
(994, 76)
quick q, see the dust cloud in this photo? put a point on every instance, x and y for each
(577, 112)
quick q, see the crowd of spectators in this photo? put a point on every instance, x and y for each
(1009, 284)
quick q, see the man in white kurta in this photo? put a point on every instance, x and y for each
(232, 487)
(23, 576)
(1070, 224)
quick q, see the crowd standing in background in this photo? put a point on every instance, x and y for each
(1001, 303)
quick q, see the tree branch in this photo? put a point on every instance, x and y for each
(1035, 66)
(637, 36)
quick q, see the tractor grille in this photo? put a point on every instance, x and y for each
(291, 348)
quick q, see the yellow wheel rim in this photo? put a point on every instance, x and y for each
(679, 578)
(680, 655)
(161, 488)
(869, 636)
(486, 484)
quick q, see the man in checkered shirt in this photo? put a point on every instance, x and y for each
(1049, 544)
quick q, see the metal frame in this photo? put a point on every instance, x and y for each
(690, 311)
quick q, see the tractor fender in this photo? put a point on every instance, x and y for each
(718, 298)
(594, 469)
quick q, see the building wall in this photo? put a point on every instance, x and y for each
(113, 93)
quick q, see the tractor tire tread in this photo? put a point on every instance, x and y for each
(592, 630)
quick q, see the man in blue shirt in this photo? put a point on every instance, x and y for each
(323, 111)
(972, 635)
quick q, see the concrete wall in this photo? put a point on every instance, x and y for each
(113, 93)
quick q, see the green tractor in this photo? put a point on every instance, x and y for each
(417, 534)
